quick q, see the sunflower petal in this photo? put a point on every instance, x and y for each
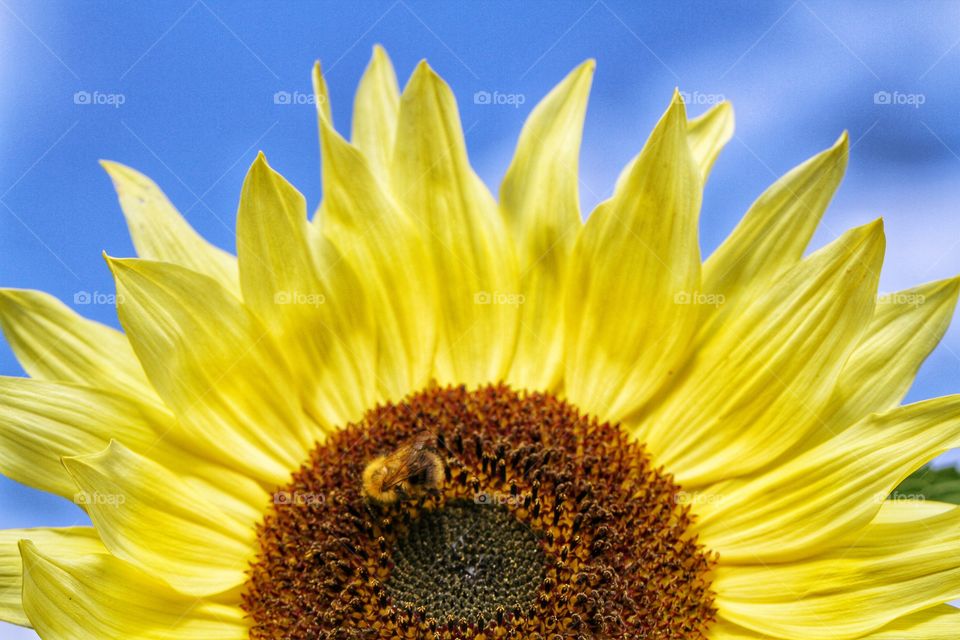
(100, 597)
(466, 236)
(802, 506)
(215, 365)
(890, 569)
(52, 342)
(379, 240)
(935, 623)
(159, 232)
(757, 387)
(45, 421)
(321, 94)
(708, 134)
(775, 231)
(147, 516)
(375, 111)
(540, 203)
(906, 326)
(67, 541)
(311, 305)
(626, 335)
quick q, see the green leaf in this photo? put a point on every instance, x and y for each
(928, 483)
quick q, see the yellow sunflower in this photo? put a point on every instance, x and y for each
(429, 414)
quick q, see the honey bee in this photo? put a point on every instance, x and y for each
(412, 470)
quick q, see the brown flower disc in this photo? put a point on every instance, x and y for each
(549, 524)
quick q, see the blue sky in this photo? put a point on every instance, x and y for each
(185, 92)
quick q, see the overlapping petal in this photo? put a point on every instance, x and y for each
(67, 541)
(539, 200)
(636, 255)
(464, 232)
(757, 387)
(53, 342)
(376, 238)
(773, 234)
(199, 542)
(308, 297)
(375, 110)
(905, 328)
(100, 597)
(216, 366)
(802, 506)
(893, 567)
(159, 232)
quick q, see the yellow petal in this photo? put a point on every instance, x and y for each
(52, 342)
(936, 623)
(147, 516)
(906, 326)
(67, 541)
(45, 421)
(320, 94)
(756, 387)
(802, 506)
(707, 135)
(773, 234)
(724, 630)
(888, 570)
(159, 232)
(539, 200)
(310, 302)
(466, 236)
(216, 366)
(375, 110)
(625, 334)
(378, 240)
(100, 597)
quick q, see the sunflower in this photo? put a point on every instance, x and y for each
(429, 414)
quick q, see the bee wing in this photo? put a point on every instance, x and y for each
(409, 464)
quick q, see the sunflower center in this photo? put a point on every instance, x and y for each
(484, 513)
(466, 561)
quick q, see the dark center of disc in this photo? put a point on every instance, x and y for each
(466, 561)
